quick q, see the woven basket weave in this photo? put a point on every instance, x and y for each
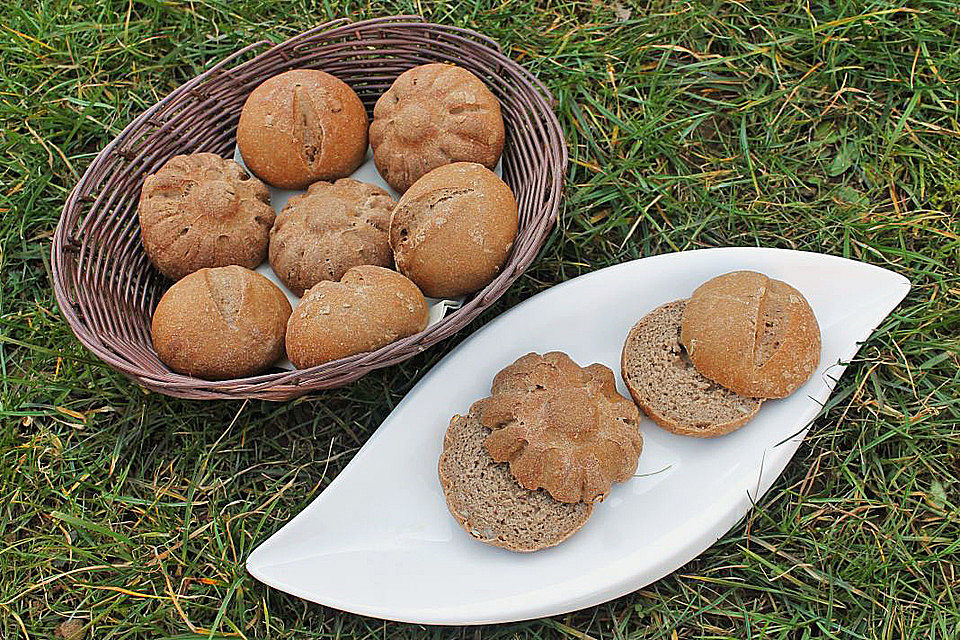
(106, 286)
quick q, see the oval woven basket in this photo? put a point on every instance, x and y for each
(106, 286)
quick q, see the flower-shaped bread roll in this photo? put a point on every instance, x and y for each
(433, 115)
(562, 427)
(200, 210)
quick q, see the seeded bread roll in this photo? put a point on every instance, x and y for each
(430, 116)
(201, 210)
(327, 230)
(221, 323)
(302, 126)
(488, 502)
(369, 308)
(754, 335)
(666, 386)
(452, 231)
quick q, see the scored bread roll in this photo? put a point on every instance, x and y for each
(666, 386)
(490, 504)
(369, 308)
(226, 322)
(453, 229)
(302, 126)
(754, 335)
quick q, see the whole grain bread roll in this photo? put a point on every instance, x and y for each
(562, 427)
(490, 504)
(221, 323)
(200, 210)
(430, 116)
(369, 308)
(453, 229)
(333, 226)
(666, 386)
(754, 335)
(302, 126)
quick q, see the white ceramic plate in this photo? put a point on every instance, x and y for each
(379, 540)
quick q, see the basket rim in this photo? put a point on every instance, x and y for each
(295, 382)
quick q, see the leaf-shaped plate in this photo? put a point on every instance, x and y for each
(379, 540)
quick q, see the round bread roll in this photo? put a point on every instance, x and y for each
(330, 228)
(302, 126)
(432, 115)
(452, 230)
(369, 308)
(751, 334)
(201, 211)
(562, 427)
(667, 387)
(221, 323)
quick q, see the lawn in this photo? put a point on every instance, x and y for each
(827, 126)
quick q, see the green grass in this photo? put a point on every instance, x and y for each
(828, 126)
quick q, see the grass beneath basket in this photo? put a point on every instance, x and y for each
(828, 126)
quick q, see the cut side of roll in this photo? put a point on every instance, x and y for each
(491, 505)
(667, 387)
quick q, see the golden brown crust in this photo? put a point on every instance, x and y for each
(432, 115)
(221, 323)
(321, 234)
(562, 427)
(302, 126)
(201, 210)
(754, 335)
(369, 308)
(668, 389)
(452, 231)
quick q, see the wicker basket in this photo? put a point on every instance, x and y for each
(106, 286)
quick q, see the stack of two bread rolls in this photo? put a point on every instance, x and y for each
(702, 367)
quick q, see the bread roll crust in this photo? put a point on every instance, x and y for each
(221, 323)
(562, 427)
(430, 116)
(754, 335)
(452, 231)
(332, 227)
(302, 126)
(369, 308)
(201, 210)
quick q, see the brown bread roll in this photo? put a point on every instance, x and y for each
(432, 115)
(369, 308)
(754, 335)
(666, 386)
(201, 210)
(302, 126)
(221, 323)
(562, 427)
(452, 231)
(327, 230)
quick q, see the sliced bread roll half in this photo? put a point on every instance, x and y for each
(667, 387)
(491, 505)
